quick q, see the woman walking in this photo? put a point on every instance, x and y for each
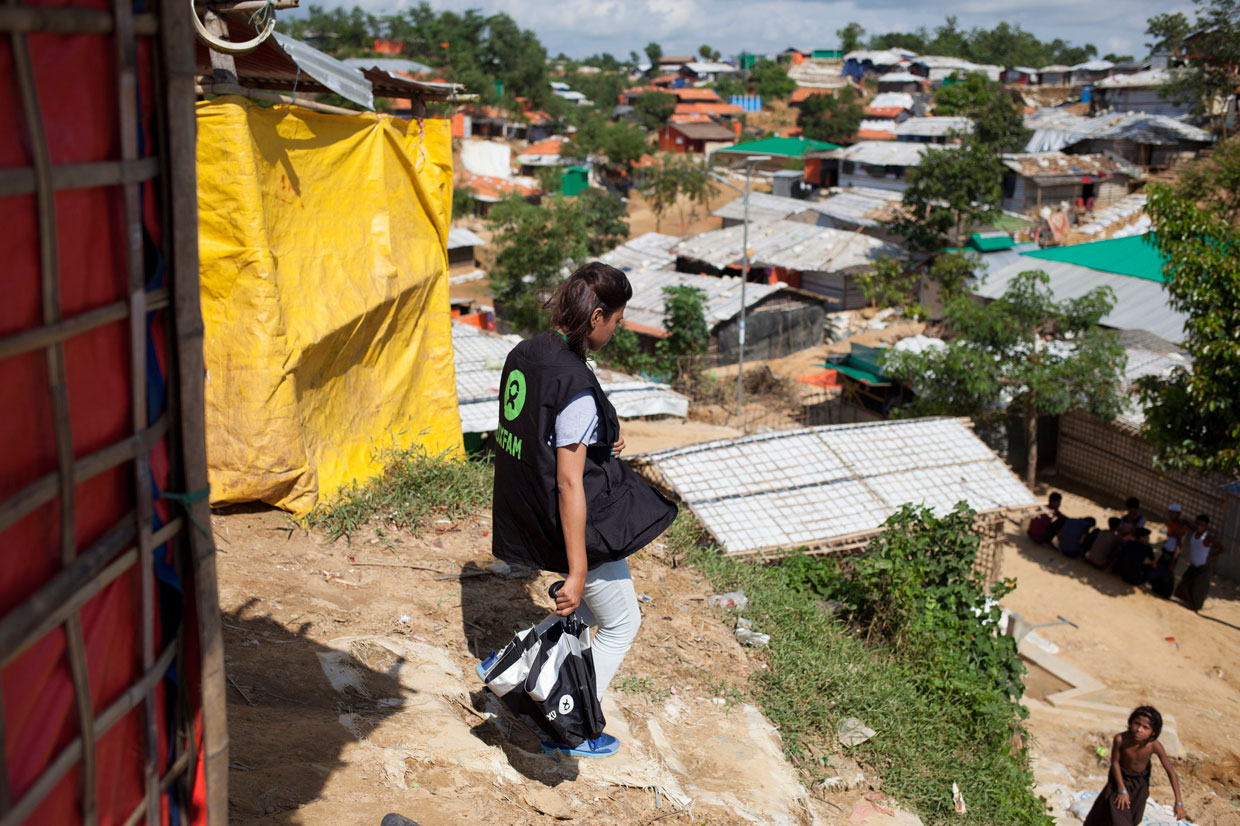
(563, 500)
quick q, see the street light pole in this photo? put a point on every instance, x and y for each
(740, 362)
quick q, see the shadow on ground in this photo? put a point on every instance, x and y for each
(493, 609)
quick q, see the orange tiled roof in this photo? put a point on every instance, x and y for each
(551, 146)
(708, 109)
(488, 187)
(697, 95)
(664, 80)
(875, 135)
(883, 111)
(689, 117)
(803, 94)
(538, 117)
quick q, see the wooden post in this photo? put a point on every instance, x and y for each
(180, 160)
(223, 66)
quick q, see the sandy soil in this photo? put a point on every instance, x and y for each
(352, 693)
(1147, 650)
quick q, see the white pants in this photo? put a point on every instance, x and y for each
(610, 603)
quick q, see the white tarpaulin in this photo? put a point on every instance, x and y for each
(487, 158)
(480, 358)
(806, 487)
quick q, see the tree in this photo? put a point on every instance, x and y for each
(890, 283)
(684, 318)
(770, 80)
(1168, 31)
(953, 188)
(965, 96)
(653, 52)
(463, 200)
(539, 245)
(850, 37)
(652, 109)
(1193, 417)
(831, 117)
(1024, 353)
(1212, 72)
(997, 120)
(1118, 58)
(708, 54)
(673, 182)
(614, 146)
(914, 41)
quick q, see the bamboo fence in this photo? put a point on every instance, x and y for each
(131, 542)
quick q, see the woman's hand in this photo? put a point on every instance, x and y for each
(1123, 800)
(568, 598)
(618, 445)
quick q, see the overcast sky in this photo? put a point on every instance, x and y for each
(582, 27)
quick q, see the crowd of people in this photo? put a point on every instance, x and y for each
(1124, 547)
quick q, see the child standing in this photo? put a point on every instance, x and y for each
(1122, 800)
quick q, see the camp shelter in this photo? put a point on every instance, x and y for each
(650, 251)
(325, 297)
(779, 149)
(823, 261)
(779, 320)
(480, 359)
(111, 656)
(831, 488)
(1130, 266)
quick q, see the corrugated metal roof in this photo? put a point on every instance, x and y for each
(722, 296)
(808, 487)
(933, 127)
(463, 237)
(1149, 77)
(900, 77)
(651, 251)
(1143, 363)
(1053, 129)
(886, 153)
(896, 100)
(791, 244)
(861, 206)
(479, 358)
(763, 208)
(1060, 164)
(1139, 304)
(390, 64)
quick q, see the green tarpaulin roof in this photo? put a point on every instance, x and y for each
(1133, 256)
(781, 147)
(990, 242)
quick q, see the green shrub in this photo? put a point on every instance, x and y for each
(908, 654)
(414, 484)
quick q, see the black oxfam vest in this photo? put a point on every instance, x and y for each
(623, 513)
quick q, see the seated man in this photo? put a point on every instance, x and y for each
(1133, 515)
(1072, 536)
(1045, 526)
(1133, 556)
(1105, 550)
(1162, 578)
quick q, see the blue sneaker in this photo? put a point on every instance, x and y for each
(604, 746)
(483, 667)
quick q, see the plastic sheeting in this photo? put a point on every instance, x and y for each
(324, 295)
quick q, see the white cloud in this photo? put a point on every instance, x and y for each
(582, 27)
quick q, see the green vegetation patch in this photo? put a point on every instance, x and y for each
(902, 637)
(415, 483)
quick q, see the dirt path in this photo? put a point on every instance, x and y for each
(352, 693)
(1147, 650)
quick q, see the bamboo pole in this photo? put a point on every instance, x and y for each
(43, 490)
(19, 19)
(80, 175)
(178, 101)
(127, 120)
(65, 329)
(49, 276)
(254, 94)
(73, 753)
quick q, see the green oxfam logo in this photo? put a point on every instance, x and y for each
(514, 394)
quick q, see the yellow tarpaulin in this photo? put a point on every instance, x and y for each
(324, 296)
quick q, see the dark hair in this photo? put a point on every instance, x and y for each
(1151, 714)
(1113, 523)
(1143, 532)
(595, 286)
(1204, 518)
(1054, 497)
(1133, 503)
(1089, 520)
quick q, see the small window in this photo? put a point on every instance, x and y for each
(849, 167)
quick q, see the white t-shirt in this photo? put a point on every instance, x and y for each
(577, 423)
